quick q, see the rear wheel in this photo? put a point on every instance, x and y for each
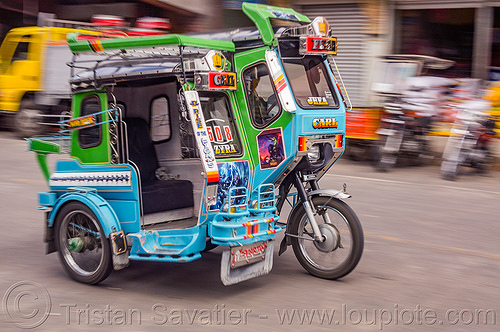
(82, 245)
(342, 245)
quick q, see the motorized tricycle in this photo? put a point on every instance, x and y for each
(180, 143)
(411, 102)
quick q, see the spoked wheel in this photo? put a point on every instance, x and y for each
(342, 245)
(83, 248)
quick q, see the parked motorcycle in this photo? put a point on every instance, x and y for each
(411, 102)
(402, 134)
(469, 142)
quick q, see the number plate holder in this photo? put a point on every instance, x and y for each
(248, 254)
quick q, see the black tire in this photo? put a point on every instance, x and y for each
(27, 120)
(78, 226)
(339, 254)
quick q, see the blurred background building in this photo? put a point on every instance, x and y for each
(465, 31)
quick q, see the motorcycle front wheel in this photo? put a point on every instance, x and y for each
(340, 251)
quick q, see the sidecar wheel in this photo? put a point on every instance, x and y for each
(342, 247)
(83, 247)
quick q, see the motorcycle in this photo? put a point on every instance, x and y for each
(411, 103)
(178, 144)
(402, 134)
(469, 142)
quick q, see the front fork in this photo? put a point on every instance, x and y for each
(308, 205)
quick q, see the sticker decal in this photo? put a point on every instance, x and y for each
(95, 45)
(282, 14)
(231, 174)
(325, 123)
(221, 137)
(280, 83)
(320, 45)
(221, 81)
(217, 61)
(271, 148)
(320, 101)
(82, 122)
(201, 134)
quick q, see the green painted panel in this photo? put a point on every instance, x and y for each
(261, 15)
(242, 61)
(81, 147)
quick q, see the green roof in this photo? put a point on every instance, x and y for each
(96, 45)
(261, 16)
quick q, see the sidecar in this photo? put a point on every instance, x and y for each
(178, 144)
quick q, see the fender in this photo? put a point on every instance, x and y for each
(329, 192)
(320, 192)
(101, 208)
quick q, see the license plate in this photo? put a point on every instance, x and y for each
(248, 254)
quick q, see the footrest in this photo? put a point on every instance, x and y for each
(171, 245)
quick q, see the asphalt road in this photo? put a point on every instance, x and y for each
(431, 262)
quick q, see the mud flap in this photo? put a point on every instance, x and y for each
(119, 250)
(284, 244)
(231, 276)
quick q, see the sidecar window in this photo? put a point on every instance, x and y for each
(262, 100)
(160, 121)
(310, 82)
(220, 124)
(90, 137)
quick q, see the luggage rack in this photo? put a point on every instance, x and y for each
(101, 61)
(59, 144)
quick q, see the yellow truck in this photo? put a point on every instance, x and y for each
(34, 88)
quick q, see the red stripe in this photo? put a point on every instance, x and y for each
(281, 85)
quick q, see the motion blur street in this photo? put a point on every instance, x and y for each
(430, 262)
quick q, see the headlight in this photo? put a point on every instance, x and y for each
(313, 154)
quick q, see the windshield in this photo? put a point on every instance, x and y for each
(310, 82)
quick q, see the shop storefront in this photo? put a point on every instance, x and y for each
(465, 31)
(349, 26)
